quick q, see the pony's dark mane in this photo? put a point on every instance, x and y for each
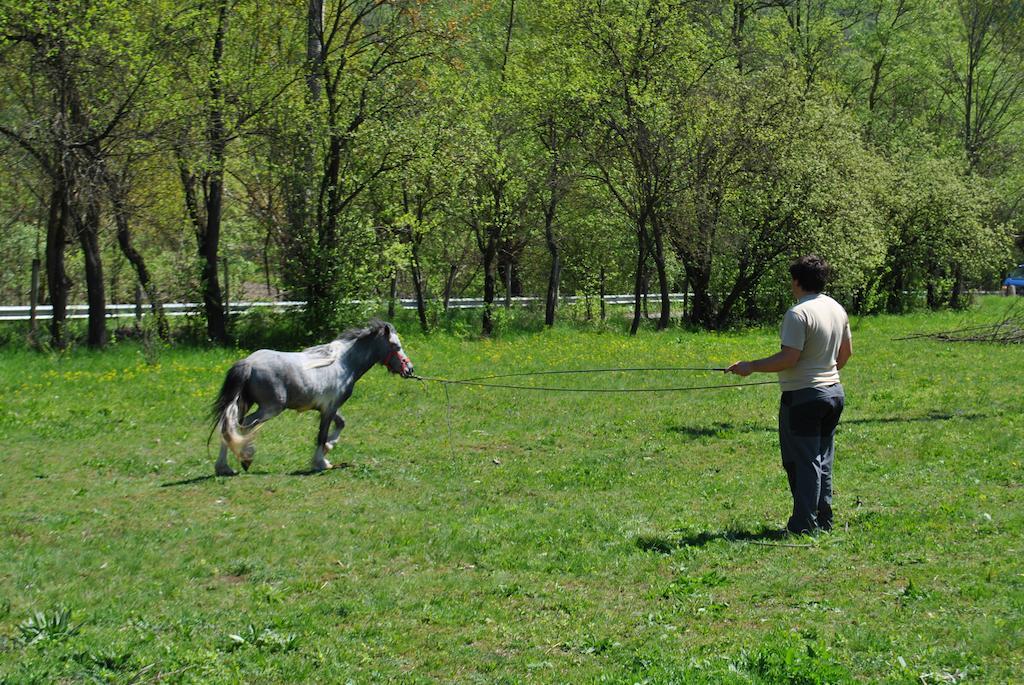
(374, 327)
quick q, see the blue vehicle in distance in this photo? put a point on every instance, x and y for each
(1014, 283)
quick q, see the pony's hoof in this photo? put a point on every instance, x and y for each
(226, 472)
(325, 466)
(245, 464)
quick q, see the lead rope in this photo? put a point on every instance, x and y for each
(445, 382)
(605, 370)
(475, 382)
(546, 388)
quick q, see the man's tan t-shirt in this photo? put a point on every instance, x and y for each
(816, 325)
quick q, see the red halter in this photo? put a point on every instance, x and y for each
(392, 353)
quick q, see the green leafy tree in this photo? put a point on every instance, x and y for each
(231, 84)
(360, 74)
(78, 71)
(649, 57)
(942, 231)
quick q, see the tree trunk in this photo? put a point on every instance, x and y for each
(213, 303)
(659, 264)
(739, 18)
(638, 287)
(314, 48)
(392, 295)
(57, 281)
(209, 244)
(83, 187)
(138, 306)
(895, 302)
(508, 282)
(327, 214)
(647, 294)
(266, 264)
(956, 297)
(294, 153)
(554, 277)
(87, 227)
(449, 284)
(686, 300)
(417, 282)
(740, 289)
(226, 296)
(514, 281)
(555, 274)
(700, 280)
(490, 279)
(487, 243)
(33, 303)
(124, 240)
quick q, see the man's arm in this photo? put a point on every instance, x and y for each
(786, 358)
(845, 352)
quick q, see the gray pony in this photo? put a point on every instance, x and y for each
(319, 378)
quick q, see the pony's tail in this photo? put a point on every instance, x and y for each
(225, 411)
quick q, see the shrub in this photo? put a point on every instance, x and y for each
(41, 626)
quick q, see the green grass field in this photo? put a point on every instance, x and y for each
(558, 538)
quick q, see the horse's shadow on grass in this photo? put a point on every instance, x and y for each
(188, 481)
(314, 472)
(212, 476)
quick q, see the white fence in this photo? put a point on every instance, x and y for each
(120, 311)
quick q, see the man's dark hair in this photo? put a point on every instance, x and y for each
(811, 272)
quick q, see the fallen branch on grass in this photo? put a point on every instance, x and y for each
(1007, 331)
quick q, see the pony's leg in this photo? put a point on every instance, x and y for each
(251, 423)
(261, 415)
(320, 462)
(247, 455)
(222, 468)
(339, 425)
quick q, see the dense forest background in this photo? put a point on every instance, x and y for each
(436, 149)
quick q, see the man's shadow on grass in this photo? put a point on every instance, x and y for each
(932, 416)
(212, 476)
(663, 544)
(722, 429)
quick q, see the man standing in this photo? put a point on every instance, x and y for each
(815, 346)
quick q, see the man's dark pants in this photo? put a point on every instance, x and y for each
(807, 429)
